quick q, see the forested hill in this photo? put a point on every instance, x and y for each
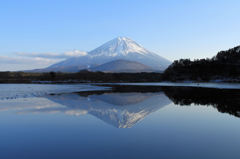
(225, 66)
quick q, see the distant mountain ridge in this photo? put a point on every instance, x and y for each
(120, 48)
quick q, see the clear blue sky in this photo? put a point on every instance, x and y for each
(172, 28)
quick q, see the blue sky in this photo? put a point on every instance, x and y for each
(172, 28)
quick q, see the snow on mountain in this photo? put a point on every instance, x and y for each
(120, 48)
(117, 47)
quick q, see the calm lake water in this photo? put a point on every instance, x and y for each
(84, 121)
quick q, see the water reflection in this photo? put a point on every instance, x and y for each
(224, 100)
(121, 110)
(124, 107)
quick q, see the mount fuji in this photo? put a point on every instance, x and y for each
(118, 55)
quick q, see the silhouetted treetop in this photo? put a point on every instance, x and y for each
(225, 65)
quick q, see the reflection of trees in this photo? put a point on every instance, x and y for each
(224, 100)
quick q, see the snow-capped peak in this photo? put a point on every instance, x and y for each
(119, 46)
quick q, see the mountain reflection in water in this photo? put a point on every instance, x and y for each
(123, 108)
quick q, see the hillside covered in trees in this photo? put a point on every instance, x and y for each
(225, 66)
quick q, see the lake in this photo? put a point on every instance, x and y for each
(147, 122)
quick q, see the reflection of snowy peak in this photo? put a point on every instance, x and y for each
(120, 48)
(121, 110)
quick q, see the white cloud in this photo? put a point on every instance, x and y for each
(28, 61)
(75, 53)
(25, 60)
(43, 55)
(17, 63)
(51, 55)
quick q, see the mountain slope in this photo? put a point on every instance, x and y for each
(120, 48)
(123, 66)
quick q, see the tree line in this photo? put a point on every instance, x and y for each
(82, 76)
(225, 65)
